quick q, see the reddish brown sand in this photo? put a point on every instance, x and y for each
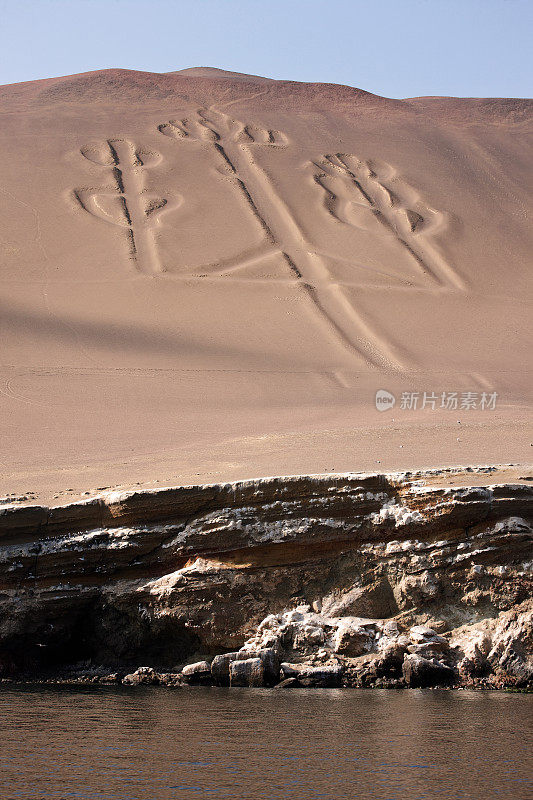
(207, 276)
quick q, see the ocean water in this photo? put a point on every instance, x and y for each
(253, 744)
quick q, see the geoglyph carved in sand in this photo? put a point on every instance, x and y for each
(125, 202)
(355, 188)
(232, 142)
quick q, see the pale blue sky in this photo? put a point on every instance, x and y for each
(398, 48)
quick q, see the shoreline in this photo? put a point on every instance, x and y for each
(102, 683)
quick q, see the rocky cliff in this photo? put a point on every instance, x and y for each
(367, 579)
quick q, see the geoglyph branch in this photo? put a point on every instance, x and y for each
(351, 183)
(126, 203)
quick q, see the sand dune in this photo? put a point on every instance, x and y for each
(208, 276)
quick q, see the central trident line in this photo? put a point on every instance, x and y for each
(231, 139)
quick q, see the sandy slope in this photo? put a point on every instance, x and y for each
(207, 276)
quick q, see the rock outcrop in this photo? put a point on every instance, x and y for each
(359, 579)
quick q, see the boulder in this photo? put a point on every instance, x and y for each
(401, 642)
(391, 629)
(288, 683)
(391, 658)
(438, 625)
(197, 673)
(270, 622)
(288, 670)
(297, 614)
(501, 648)
(220, 667)
(249, 672)
(421, 672)
(323, 676)
(421, 634)
(469, 647)
(112, 677)
(432, 649)
(351, 640)
(362, 671)
(512, 644)
(417, 590)
(305, 637)
(170, 679)
(143, 676)
(269, 637)
(270, 659)
(373, 601)
(320, 656)
(274, 631)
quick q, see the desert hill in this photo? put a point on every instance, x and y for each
(208, 276)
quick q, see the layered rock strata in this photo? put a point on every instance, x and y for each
(388, 578)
